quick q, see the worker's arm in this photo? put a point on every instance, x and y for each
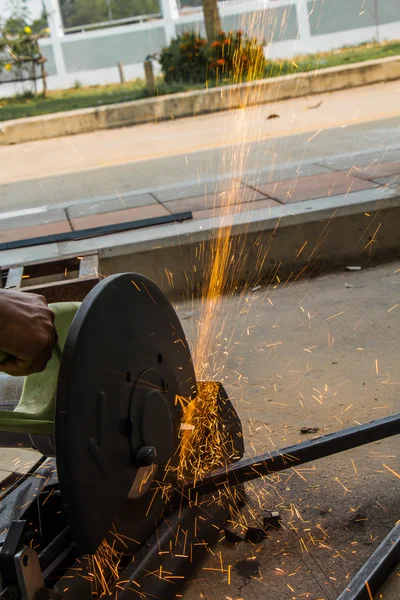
(27, 332)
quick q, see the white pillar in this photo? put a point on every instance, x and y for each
(170, 12)
(57, 33)
(305, 40)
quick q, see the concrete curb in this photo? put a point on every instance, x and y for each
(199, 102)
(298, 239)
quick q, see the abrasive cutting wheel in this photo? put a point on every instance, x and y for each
(109, 407)
(125, 362)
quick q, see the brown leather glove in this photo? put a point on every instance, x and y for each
(27, 332)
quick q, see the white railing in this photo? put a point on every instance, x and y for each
(104, 24)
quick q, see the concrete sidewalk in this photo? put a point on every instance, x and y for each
(283, 185)
(320, 216)
(182, 151)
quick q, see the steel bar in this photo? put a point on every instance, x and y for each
(96, 231)
(19, 498)
(14, 479)
(292, 456)
(165, 563)
(375, 571)
(10, 593)
(52, 551)
(173, 555)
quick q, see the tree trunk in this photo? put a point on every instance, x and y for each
(44, 79)
(211, 18)
(34, 78)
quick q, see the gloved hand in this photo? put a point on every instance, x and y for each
(27, 332)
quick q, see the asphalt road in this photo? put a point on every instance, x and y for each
(67, 170)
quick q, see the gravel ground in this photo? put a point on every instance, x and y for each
(322, 354)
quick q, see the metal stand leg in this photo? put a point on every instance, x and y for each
(376, 570)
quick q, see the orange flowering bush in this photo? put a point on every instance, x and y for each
(236, 56)
(186, 59)
(191, 59)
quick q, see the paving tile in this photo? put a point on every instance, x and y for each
(210, 200)
(197, 189)
(316, 186)
(234, 208)
(120, 216)
(282, 173)
(17, 459)
(26, 233)
(42, 218)
(106, 206)
(361, 159)
(387, 181)
(376, 170)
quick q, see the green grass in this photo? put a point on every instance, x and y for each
(85, 97)
(344, 56)
(18, 107)
(61, 100)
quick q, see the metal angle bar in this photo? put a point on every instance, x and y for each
(376, 570)
(56, 546)
(22, 476)
(167, 561)
(11, 546)
(71, 236)
(292, 456)
(18, 500)
(61, 563)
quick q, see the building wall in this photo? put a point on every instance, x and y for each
(290, 28)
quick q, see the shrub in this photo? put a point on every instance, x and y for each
(20, 53)
(191, 59)
(237, 56)
(185, 59)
